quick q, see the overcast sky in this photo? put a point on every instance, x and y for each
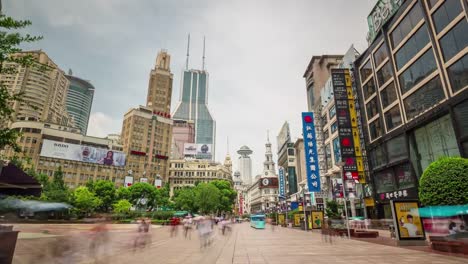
(256, 54)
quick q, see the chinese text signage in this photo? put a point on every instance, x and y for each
(281, 184)
(311, 155)
(380, 14)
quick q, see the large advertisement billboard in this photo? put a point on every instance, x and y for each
(191, 149)
(67, 151)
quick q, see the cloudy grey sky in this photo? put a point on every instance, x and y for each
(257, 52)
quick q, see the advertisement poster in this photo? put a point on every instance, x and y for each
(158, 183)
(311, 154)
(297, 220)
(406, 215)
(67, 151)
(317, 219)
(281, 219)
(190, 149)
(128, 181)
(281, 182)
(145, 180)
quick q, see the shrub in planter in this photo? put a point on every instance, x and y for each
(445, 182)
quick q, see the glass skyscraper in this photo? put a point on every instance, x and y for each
(79, 101)
(193, 106)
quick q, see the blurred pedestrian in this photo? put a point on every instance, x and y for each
(174, 225)
(99, 240)
(187, 222)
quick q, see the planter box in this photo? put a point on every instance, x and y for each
(7, 245)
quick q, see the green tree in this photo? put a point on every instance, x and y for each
(105, 190)
(185, 199)
(141, 190)
(207, 198)
(227, 195)
(162, 196)
(331, 209)
(122, 206)
(56, 190)
(84, 200)
(445, 182)
(10, 41)
(123, 193)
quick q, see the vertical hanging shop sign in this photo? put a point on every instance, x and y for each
(348, 132)
(311, 155)
(282, 183)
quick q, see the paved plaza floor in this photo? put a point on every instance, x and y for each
(243, 245)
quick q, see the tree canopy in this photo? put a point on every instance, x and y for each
(84, 200)
(445, 182)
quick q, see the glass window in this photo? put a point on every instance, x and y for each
(432, 3)
(396, 149)
(380, 55)
(425, 97)
(384, 74)
(368, 88)
(406, 25)
(378, 157)
(393, 118)
(375, 130)
(326, 134)
(455, 40)
(461, 116)
(371, 108)
(446, 13)
(458, 74)
(411, 47)
(329, 158)
(332, 112)
(366, 71)
(334, 127)
(336, 150)
(388, 95)
(310, 96)
(404, 176)
(384, 181)
(419, 70)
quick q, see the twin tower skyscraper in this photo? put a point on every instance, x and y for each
(193, 107)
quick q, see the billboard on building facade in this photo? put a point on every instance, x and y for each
(311, 154)
(67, 151)
(192, 149)
(281, 183)
(406, 218)
(382, 11)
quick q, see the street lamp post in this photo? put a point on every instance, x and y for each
(341, 165)
(304, 205)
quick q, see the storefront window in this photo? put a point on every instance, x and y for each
(371, 108)
(368, 88)
(375, 130)
(455, 40)
(419, 70)
(366, 71)
(458, 74)
(436, 139)
(384, 181)
(393, 118)
(380, 55)
(403, 174)
(336, 150)
(446, 13)
(388, 95)
(406, 25)
(411, 47)
(396, 149)
(424, 98)
(384, 74)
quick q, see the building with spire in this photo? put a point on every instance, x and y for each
(147, 130)
(193, 106)
(245, 165)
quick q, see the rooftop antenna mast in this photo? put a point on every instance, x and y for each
(203, 59)
(188, 48)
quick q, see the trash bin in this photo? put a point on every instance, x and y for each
(8, 239)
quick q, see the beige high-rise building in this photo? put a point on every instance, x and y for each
(147, 130)
(44, 86)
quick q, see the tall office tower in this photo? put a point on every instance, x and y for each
(147, 130)
(44, 90)
(245, 165)
(79, 101)
(193, 106)
(183, 132)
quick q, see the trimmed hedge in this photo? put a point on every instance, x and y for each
(445, 182)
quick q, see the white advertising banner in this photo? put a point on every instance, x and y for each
(204, 149)
(62, 150)
(128, 181)
(190, 149)
(144, 180)
(158, 183)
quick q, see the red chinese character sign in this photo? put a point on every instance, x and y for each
(311, 155)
